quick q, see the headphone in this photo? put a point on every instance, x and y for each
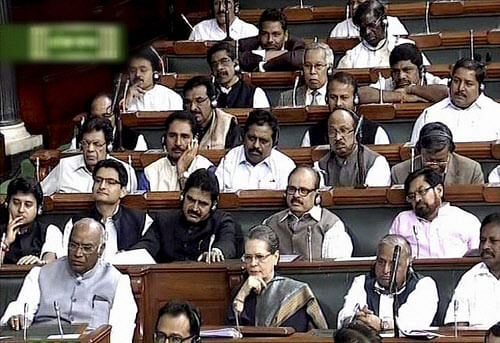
(213, 93)
(194, 317)
(39, 210)
(437, 129)
(276, 133)
(156, 73)
(479, 69)
(213, 208)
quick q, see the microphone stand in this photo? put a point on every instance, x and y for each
(393, 288)
(226, 15)
(115, 108)
(361, 169)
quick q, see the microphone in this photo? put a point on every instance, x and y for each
(347, 16)
(294, 92)
(357, 131)
(380, 91)
(116, 91)
(415, 232)
(2, 244)
(455, 310)
(25, 322)
(159, 59)
(412, 159)
(187, 22)
(471, 32)
(394, 268)
(37, 169)
(130, 172)
(309, 243)
(236, 50)
(212, 240)
(58, 315)
(427, 18)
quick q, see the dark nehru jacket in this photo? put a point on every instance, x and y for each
(129, 139)
(176, 239)
(240, 96)
(29, 242)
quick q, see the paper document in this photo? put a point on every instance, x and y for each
(226, 332)
(138, 256)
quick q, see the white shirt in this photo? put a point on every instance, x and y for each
(210, 30)
(494, 176)
(477, 123)
(259, 97)
(53, 239)
(381, 137)
(450, 235)
(121, 316)
(321, 97)
(235, 172)
(71, 175)
(365, 56)
(336, 242)
(416, 313)
(478, 296)
(158, 98)
(346, 28)
(111, 247)
(379, 175)
(388, 85)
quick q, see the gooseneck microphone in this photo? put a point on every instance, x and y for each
(58, 315)
(187, 22)
(212, 240)
(309, 243)
(393, 287)
(294, 92)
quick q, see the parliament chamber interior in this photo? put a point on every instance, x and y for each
(252, 154)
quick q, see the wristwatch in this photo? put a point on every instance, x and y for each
(384, 325)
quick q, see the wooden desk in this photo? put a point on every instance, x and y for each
(99, 335)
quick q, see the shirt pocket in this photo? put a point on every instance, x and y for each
(101, 307)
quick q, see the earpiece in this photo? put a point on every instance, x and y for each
(317, 199)
(213, 93)
(156, 77)
(214, 206)
(385, 22)
(355, 100)
(40, 210)
(195, 320)
(481, 88)
(109, 147)
(181, 197)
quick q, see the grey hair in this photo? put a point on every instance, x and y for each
(265, 233)
(92, 224)
(391, 240)
(325, 47)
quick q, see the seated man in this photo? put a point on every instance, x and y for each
(342, 92)
(376, 44)
(27, 237)
(493, 334)
(234, 92)
(477, 296)
(318, 60)
(417, 295)
(255, 164)
(215, 28)
(349, 164)
(74, 174)
(471, 115)
(272, 49)
(101, 107)
(144, 94)
(434, 228)
(178, 322)
(124, 226)
(347, 29)
(197, 231)
(305, 221)
(216, 129)
(437, 151)
(409, 82)
(86, 289)
(169, 173)
(267, 299)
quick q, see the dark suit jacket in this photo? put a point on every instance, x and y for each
(461, 170)
(292, 60)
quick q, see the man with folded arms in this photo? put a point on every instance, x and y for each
(348, 163)
(417, 295)
(83, 287)
(433, 227)
(305, 219)
(477, 296)
(437, 151)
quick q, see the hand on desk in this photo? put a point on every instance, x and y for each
(252, 283)
(30, 259)
(16, 322)
(366, 316)
(215, 256)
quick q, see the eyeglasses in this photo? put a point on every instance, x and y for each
(225, 62)
(108, 181)
(342, 132)
(318, 66)
(85, 144)
(371, 26)
(259, 258)
(108, 115)
(291, 190)
(87, 249)
(421, 192)
(160, 337)
(198, 101)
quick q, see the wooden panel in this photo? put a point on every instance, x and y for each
(449, 8)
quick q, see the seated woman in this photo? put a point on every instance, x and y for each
(25, 236)
(267, 299)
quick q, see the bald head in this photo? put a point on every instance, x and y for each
(86, 245)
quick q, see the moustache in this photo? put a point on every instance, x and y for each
(487, 253)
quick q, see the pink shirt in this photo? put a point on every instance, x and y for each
(451, 234)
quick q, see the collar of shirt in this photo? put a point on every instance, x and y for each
(314, 213)
(88, 273)
(321, 91)
(480, 103)
(227, 90)
(445, 206)
(482, 269)
(242, 159)
(80, 164)
(113, 217)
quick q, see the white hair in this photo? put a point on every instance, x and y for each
(325, 47)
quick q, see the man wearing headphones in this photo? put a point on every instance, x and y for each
(215, 29)
(234, 92)
(409, 82)
(74, 174)
(467, 111)
(27, 240)
(198, 231)
(349, 163)
(169, 173)
(124, 226)
(347, 29)
(376, 44)
(305, 228)
(256, 164)
(437, 151)
(272, 49)
(434, 228)
(178, 322)
(369, 299)
(317, 65)
(144, 92)
(216, 129)
(342, 92)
